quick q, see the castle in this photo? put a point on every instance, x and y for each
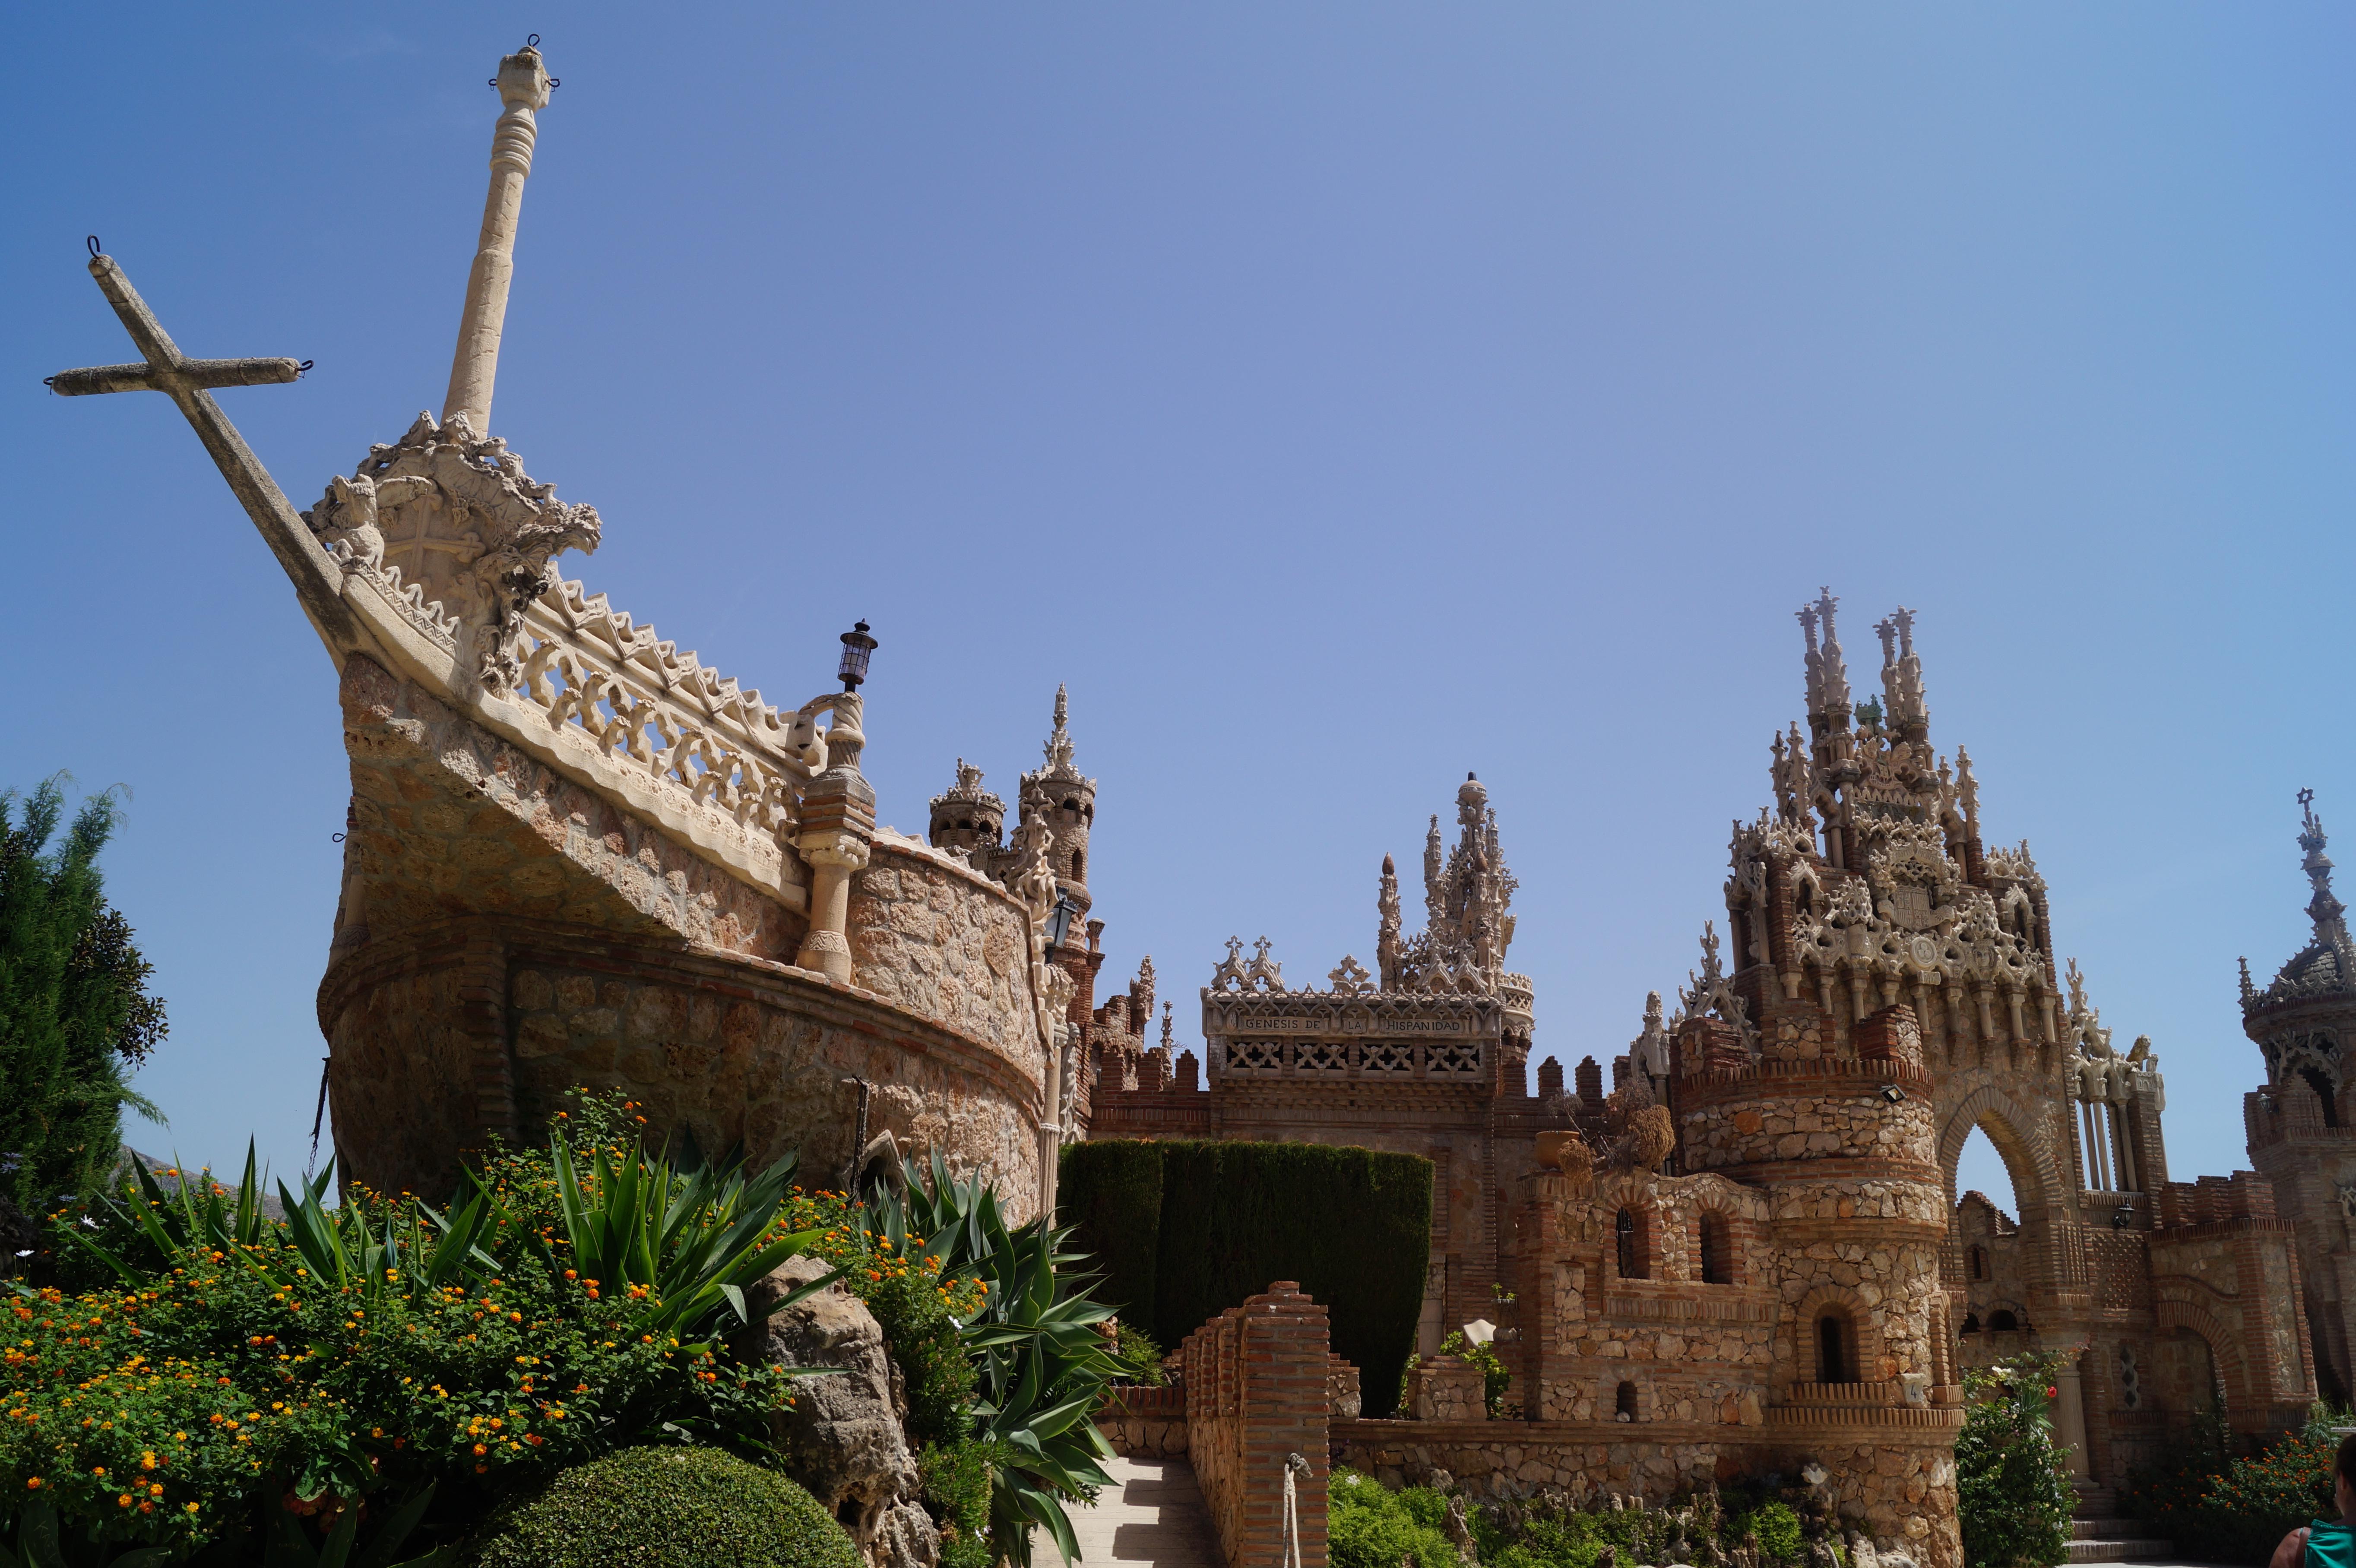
(579, 856)
(1754, 1242)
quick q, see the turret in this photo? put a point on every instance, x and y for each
(1065, 802)
(967, 819)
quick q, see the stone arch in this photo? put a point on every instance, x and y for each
(2224, 1352)
(1861, 1348)
(2036, 1176)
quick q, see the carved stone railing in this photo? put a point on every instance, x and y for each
(444, 547)
(642, 701)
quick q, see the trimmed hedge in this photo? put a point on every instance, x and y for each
(1182, 1231)
(670, 1508)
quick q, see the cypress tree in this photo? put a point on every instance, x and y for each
(75, 1015)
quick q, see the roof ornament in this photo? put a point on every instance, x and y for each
(2326, 910)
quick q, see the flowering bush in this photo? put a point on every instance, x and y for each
(2232, 1510)
(332, 1360)
(2012, 1485)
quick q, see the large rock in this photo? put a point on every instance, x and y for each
(842, 1439)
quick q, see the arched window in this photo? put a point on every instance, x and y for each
(2002, 1323)
(1079, 866)
(1624, 1403)
(1631, 1235)
(1835, 1364)
(1971, 1324)
(1717, 1250)
(2322, 1087)
(1977, 1263)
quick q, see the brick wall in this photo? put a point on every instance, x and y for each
(1258, 1379)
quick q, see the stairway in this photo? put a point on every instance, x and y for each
(1152, 1513)
(2098, 1535)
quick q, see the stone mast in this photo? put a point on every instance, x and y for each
(523, 83)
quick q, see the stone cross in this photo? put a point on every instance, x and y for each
(187, 382)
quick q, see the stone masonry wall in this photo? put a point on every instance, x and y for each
(946, 945)
(1900, 1482)
(1257, 1381)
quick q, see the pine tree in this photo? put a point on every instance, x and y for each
(74, 1009)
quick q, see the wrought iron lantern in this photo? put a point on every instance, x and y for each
(857, 648)
(1059, 919)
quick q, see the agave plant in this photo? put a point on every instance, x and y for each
(694, 1239)
(418, 1251)
(1043, 1364)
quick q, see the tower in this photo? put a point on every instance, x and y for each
(2300, 1135)
(1065, 802)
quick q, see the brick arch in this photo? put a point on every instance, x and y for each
(2023, 1154)
(1607, 1403)
(2224, 1350)
(1865, 1326)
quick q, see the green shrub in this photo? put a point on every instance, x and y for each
(1230, 1218)
(956, 1478)
(1778, 1529)
(1496, 1376)
(2012, 1485)
(1369, 1526)
(1109, 1191)
(1139, 1355)
(669, 1508)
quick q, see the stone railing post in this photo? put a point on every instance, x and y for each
(838, 827)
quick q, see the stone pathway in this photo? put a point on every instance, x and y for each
(1152, 1513)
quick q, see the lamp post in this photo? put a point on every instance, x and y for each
(857, 648)
(837, 818)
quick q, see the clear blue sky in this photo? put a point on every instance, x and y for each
(1338, 397)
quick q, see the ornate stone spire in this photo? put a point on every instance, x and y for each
(1435, 895)
(1827, 673)
(1901, 678)
(1387, 931)
(2327, 912)
(1059, 745)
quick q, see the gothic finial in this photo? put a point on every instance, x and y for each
(2325, 909)
(1901, 677)
(1967, 790)
(1833, 674)
(1167, 1026)
(1059, 745)
(2249, 992)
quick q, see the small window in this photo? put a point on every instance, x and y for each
(1624, 1403)
(1978, 1263)
(2323, 1091)
(1079, 866)
(1833, 1363)
(1632, 1246)
(2002, 1323)
(1971, 1324)
(1717, 1250)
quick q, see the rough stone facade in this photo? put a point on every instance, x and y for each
(1751, 1249)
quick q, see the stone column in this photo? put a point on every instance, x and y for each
(523, 85)
(2070, 1417)
(837, 824)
